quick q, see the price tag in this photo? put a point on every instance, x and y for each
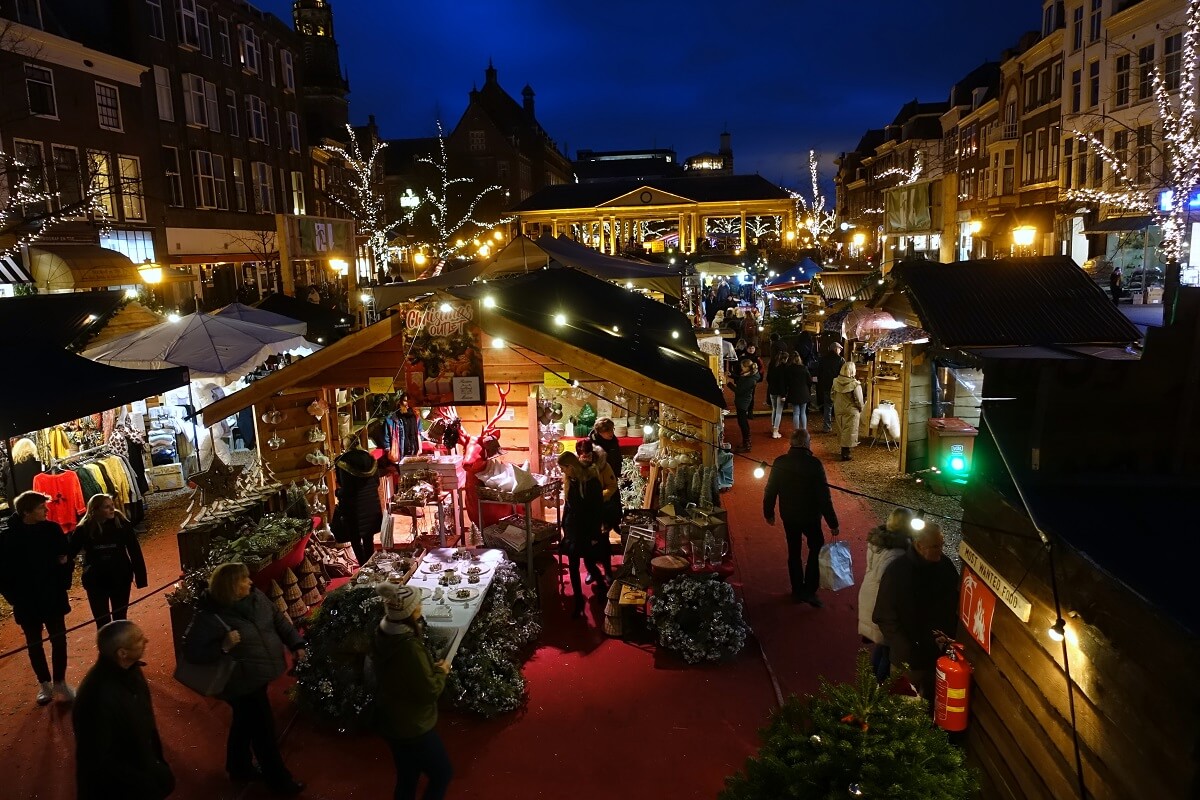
(381, 385)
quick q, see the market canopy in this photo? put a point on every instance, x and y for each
(92, 388)
(719, 269)
(58, 267)
(214, 347)
(799, 275)
(325, 325)
(55, 319)
(260, 316)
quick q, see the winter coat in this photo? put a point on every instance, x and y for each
(117, 749)
(35, 570)
(847, 408)
(111, 554)
(612, 451)
(797, 481)
(883, 547)
(799, 384)
(258, 656)
(583, 511)
(401, 435)
(916, 597)
(777, 379)
(358, 513)
(829, 366)
(610, 510)
(743, 391)
(406, 696)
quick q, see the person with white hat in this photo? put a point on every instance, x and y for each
(406, 696)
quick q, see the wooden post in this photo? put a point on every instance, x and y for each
(648, 497)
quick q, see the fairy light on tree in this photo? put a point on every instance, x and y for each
(452, 232)
(811, 211)
(24, 214)
(360, 197)
(907, 176)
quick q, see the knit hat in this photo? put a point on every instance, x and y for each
(399, 603)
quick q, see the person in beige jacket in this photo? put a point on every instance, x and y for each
(847, 408)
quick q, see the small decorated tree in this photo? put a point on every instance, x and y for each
(853, 740)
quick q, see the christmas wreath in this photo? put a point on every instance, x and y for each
(698, 618)
(851, 740)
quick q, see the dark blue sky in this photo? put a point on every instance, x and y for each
(783, 75)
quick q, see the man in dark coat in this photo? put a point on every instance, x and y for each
(358, 516)
(917, 605)
(828, 367)
(35, 574)
(117, 749)
(797, 481)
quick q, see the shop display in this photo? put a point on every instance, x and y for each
(445, 357)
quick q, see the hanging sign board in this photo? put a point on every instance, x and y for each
(445, 358)
(381, 385)
(976, 606)
(1007, 593)
(553, 380)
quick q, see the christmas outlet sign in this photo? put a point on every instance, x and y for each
(976, 606)
(445, 358)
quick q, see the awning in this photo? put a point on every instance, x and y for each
(1120, 224)
(58, 319)
(12, 270)
(80, 266)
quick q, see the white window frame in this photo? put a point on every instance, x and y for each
(250, 49)
(278, 130)
(203, 182)
(50, 82)
(158, 26)
(231, 106)
(187, 24)
(256, 119)
(162, 93)
(294, 131)
(195, 102)
(212, 103)
(224, 43)
(269, 62)
(41, 157)
(264, 187)
(55, 149)
(174, 177)
(204, 28)
(133, 205)
(116, 96)
(298, 205)
(288, 68)
(219, 183)
(100, 183)
(239, 184)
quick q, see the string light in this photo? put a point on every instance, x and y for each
(817, 221)
(489, 301)
(445, 308)
(760, 470)
(1058, 631)
(674, 334)
(27, 188)
(647, 429)
(907, 176)
(918, 522)
(560, 319)
(497, 343)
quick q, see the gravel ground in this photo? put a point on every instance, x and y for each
(875, 471)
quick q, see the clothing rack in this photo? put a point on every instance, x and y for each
(58, 462)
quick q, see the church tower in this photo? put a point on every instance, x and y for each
(326, 90)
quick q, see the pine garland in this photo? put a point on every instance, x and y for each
(853, 739)
(699, 619)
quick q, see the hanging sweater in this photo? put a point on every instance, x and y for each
(65, 505)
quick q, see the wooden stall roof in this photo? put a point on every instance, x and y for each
(641, 354)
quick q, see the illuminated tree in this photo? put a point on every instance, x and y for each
(811, 210)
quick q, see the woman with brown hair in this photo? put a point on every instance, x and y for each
(581, 521)
(236, 619)
(112, 558)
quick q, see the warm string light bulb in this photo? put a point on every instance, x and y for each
(560, 319)
(760, 470)
(1058, 631)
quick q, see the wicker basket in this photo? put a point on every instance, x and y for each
(548, 489)
(544, 534)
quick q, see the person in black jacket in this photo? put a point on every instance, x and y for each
(582, 518)
(799, 390)
(777, 388)
(35, 574)
(797, 481)
(828, 367)
(117, 749)
(235, 618)
(917, 606)
(112, 558)
(358, 515)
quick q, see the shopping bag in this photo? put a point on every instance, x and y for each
(837, 570)
(206, 679)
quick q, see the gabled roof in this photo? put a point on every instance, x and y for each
(1043, 301)
(700, 189)
(59, 319)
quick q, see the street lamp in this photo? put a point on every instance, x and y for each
(1024, 235)
(150, 272)
(340, 266)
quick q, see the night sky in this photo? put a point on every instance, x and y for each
(783, 75)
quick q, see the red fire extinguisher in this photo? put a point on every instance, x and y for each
(953, 683)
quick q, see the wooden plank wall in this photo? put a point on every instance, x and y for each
(1137, 701)
(916, 409)
(288, 461)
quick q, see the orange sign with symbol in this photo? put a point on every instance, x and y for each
(976, 605)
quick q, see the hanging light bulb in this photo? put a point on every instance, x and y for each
(647, 429)
(674, 334)
(560, 319)
(489, 302)
(497, 343)
(918, 522)
(760, 470)
(444, 308)
(1058, 631)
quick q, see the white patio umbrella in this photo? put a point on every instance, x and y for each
(210, 346)
(259, 316)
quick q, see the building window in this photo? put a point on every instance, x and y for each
(1093, 84)
(68, 181)
(1145, 153)
(162, 93)
(1081, 163)
(1049, 23)
(205, 31)
(239, 184)
(130, 170)
(1052, 167)
(108, 107)
(1077, 28)
(251, 47)
(476, 141)
(189, 27)
(1120, 151)
(294, 131)
(1121, 81)
(1173, 61)
(157, 29)
(256, 127)
(170, 158)
(231, 108)
(288, 69)
(1068, 164)
(203, 183)
(1076, 90)
(1146, 72)
(213, 106)
(278, 131)
(39, 88)
(1031, 100)
(30, 175)
(1094, 21)
(1040, 155)
(1098, 160)
(219, 184)
(270, 62)
(1056, 82)
(502, 169)
(194, 103)
(223, 41)
(260, 175)
(101, 184)
(298, 193)
(138, 246)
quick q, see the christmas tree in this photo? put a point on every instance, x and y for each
(853, 740)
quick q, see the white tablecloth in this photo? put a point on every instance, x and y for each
(462, 613)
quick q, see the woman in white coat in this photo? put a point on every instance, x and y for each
(847, 408)
(885, 544)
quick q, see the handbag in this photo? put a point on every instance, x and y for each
(837, 570)
(208, 680)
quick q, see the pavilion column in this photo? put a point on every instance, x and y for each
(695, 232)
(554, 227)
(682, 240)
(742, 228)
(598, 239)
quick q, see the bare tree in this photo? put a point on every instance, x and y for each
(811, 210)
